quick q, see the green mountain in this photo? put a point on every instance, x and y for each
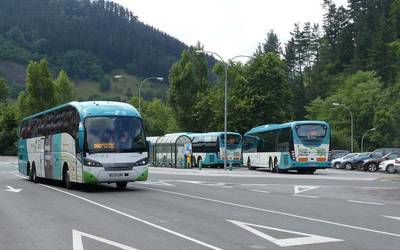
(90, 40)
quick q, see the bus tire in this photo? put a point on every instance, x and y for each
(249, 165)
(32, 174)
(121, 185)
(28, 170)
(270, 165)
(199, 161)
(66, 180)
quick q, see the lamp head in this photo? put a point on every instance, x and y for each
(335, 104)
(160, 78)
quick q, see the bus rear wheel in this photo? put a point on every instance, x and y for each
(32, 174)
(121, 185)
(67, 182)
(249, 165)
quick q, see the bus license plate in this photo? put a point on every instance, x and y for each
(116, 175)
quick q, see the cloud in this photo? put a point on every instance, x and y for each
(229, 27)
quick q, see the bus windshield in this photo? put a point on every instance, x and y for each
(311, 131)
(115, 134)
(232, 140)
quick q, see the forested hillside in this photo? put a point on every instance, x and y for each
(87, 39)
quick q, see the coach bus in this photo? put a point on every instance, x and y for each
(209, 149)
(84, 142)
(301, 145)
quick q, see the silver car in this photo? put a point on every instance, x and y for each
(338, 163)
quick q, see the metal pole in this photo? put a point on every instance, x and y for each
(362, 139)
(140, 87)
(352, 128)
(226, 115)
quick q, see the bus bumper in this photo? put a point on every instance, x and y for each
(306, 165)
(99, 175)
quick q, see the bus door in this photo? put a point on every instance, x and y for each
(47, 157)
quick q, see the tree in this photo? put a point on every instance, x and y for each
(263, 95)
(8, 130)
(64, 88)
(360, 92)
(40, 89)
(188, 77)
(271, 44)
(4, 91)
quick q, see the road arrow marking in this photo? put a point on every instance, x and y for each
(301, 189)
(297, 241)
(391, 217)
(78, 245)
(14, 190)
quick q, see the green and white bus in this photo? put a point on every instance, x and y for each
(301, 145)
(84, 142)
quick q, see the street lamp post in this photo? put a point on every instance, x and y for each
(225, 95)
(362, 139)
(351, 121)
(139, 85)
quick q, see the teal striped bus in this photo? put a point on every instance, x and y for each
(300, 145)
(84, 142)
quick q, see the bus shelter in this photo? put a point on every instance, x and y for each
(173, 150)
(152, 144)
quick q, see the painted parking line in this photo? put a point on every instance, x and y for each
(366, 202)
(260, 191)
(132, 217)
(269, 211)
(305, 196)
(391, 217)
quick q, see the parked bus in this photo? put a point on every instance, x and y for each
(209, 149)
(302, 145)
(84, 142)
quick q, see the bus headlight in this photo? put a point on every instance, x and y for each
(92, 163)
(141, 162)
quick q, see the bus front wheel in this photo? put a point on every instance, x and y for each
(121, 185)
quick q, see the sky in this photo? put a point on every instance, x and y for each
(227, 27)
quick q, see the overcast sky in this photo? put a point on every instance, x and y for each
(228, 27)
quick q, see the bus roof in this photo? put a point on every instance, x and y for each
(270, 127)
(212, 134)
(95, 108)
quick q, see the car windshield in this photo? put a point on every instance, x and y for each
(115, 134)
(311, 131)
(350, 156)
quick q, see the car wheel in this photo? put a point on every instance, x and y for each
(372, 167)
(348, 166)
(337, 165)
(390, 169)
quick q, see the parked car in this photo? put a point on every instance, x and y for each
(397, 164)
(351, 163)
(372, 164)
(339, 153)
(389, 166)
(384, 151)
(338, 163)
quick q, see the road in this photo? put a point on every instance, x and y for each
(207, 209)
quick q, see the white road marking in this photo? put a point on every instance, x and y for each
(158, 183)
(270, 211)
(135, 218)
(305, 196)
(391, 217)
(366, 202)
(301, 189)
(13, 190)
(260, 191)
(78, 244)
(306, 239)
(216, 184)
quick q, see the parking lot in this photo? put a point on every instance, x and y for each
(204, 209)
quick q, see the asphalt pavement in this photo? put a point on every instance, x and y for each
(204, 209)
